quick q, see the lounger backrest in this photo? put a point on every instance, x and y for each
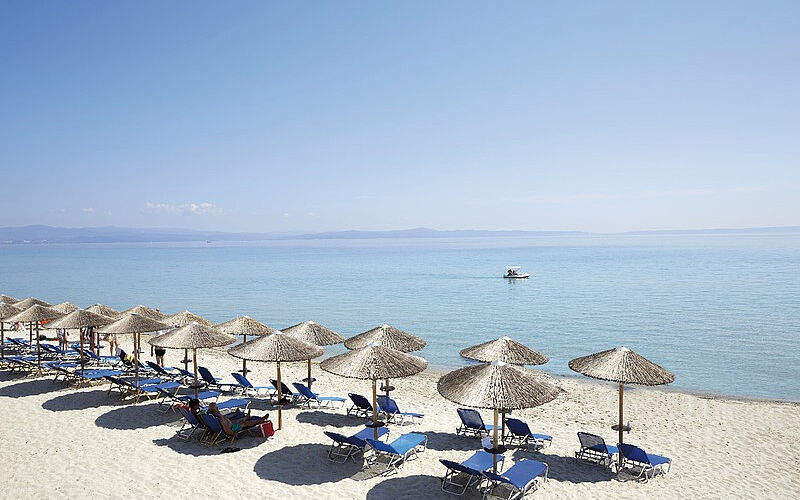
(305, 391)
(241, 380)
(388, 404)
(458, 467)
(351, 440)
(633, 453)
(471, 418)
(518, 427)
(285, 391)
(188, 415)
(212, 423)
(206, 375)
(381, 446)
(524, 471)
(360, 401)
(155, 367)
(591, 441)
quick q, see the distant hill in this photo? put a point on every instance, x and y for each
(112, 234)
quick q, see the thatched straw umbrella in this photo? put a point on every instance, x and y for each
(135, 324)
(193, 336)
(79, 319)
(244, 326)
(103, 310)
(8, 299)
(6, 311)
(507, 350)
(65, 307)
(372, 362)
(313, 333)
(498, 385)
(36, 314)
(184, 318)
(387, 336)
(623, 366)
(27, 303)
(150, 313)
(277, 348)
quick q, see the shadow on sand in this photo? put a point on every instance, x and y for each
(324, 418)
(408, 488)
(139, 416)
(282, 464)
(35, 387)
(194, 448)
(442, 441)
(567, 468)
(81, 400)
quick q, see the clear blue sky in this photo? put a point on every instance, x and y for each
(274, 116)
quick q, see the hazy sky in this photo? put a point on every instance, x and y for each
(262, 116)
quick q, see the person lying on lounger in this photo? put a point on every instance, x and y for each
(233, 426)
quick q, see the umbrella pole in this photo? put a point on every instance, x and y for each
(80, 335)
(186, 364)
(2, 340)
(194, 357)
(621, 390)
(244, 361)
(136, 366)
(494, 439)
(38, 349)
(375, 408)
(502, 425)
(30, 333)
(386, 387)
(309, 374)
(280, 397)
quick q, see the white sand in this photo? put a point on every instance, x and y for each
(82, 443)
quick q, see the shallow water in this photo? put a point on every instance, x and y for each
(720, 311)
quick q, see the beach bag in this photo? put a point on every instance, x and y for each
(266, 429)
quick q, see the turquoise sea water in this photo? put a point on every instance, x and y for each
(720, 311)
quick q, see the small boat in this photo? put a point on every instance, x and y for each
(514, 272)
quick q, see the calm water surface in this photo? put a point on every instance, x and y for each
(722, 312)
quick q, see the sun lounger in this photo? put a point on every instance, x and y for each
(518, 432)
(127, 386)
(361, 406)
(648, 464)
(460, 476)
(472, 423)
(594, 449)
(247, 387)
(216, 433)
(388, 407)
(398, 451)
(170, 372)
(190, 423)
(170, 393)
(285, 392)
(345, 447)
(523, 477)
(307, 397)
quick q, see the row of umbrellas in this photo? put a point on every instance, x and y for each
(499, 383)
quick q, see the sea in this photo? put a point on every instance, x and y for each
(721, 311)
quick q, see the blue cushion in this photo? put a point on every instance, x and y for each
(657, 459)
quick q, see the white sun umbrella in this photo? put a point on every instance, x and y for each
(135, 324)
(184, 318)
(36, 314)
(193, 336)
(244, 326)
(277, 348)
(498, 385)
(81, 318)
(372, 362)
(6, 311)
(313, 333)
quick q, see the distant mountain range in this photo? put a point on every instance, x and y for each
(112, 234)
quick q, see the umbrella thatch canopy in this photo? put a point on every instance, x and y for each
(498, 385)
(387, 336)
(373, 362)
(135, 324)
(6, 311)
(244, 326)
(30, 301)
(504, 349)
(65, 307)
(79, 319)
(313, 333)
(36, 314)
(277, 347)
(146, 311)
(623, 366)
(8, 299)
(192, 336)
(182, 319)
(103, 310)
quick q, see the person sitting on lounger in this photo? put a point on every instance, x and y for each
(233, 426)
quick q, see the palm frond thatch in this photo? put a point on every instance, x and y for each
(7, 310)
(8, 299)
(31, 301)
(276, 347)
(184, 318)
(504, 349)
(65, 307)
(623, 366)
(374, 362)
(103, 310)
(387, 336)
(145, 311)
(134, 323)
(192, 336)
(313, 333)
(245, 325)
(35, 313)
(80, 318)
(498, 385)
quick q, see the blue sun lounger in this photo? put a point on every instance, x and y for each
(469, 471)
(523, 477)
(472, 423)
(285, 392)
(520, 433)
(308, 397)
(190, 423)
(361, 406)
(212, 382)
(345, 447)
(397, 452)
(388, 406)
(594, 449)
(634, 458)
(247, 387)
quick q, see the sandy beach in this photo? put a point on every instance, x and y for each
(59, 441)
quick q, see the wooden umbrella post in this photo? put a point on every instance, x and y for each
(186, 363)
(375, 408)
(244, 361)
(30, 332)
(309, 374)
(38, 349)
(502, 425)
(2, 340)
(136, 366)
(280, 398)
(194, 362)
(621, 390)
(80, 336)
(494, 442)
